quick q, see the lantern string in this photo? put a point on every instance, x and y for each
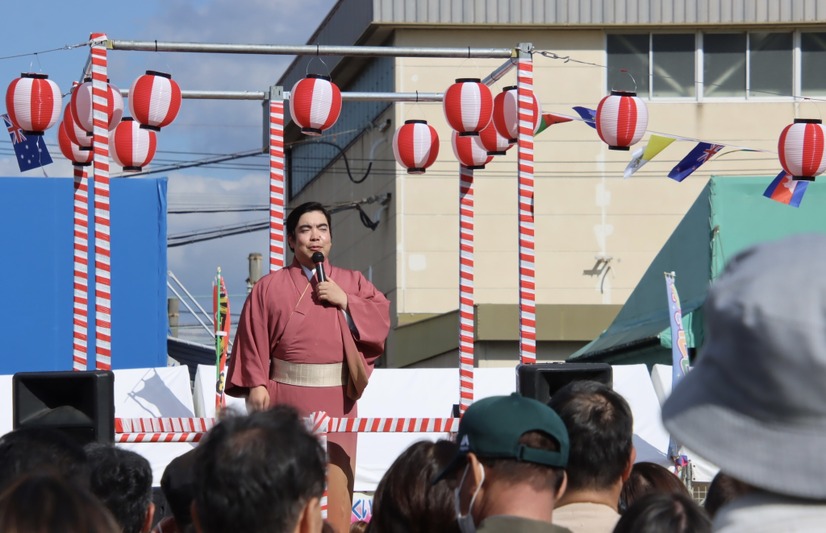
(62, 48)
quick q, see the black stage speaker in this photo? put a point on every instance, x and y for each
(541, 380)
(80, 404)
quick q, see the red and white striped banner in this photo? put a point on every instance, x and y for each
(102, 224)
(163, 425)
(466, 301)
(322, 423)
(80, 277)
(276, 185)
(527, 257)
(160, 437)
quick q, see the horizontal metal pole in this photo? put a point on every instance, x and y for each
(320, 50)
(349, 96)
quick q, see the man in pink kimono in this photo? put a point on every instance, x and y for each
(290, 343)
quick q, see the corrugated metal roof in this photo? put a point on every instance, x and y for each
(598, 12)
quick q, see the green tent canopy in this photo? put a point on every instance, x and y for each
(730, 214)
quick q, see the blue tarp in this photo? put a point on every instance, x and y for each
(36, 269)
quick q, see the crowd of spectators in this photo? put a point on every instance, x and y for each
(754, 404)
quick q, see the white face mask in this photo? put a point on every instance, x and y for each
(465, 522)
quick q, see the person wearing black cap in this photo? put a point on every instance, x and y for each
(510, 466)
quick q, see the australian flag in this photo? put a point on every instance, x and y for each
(696, 157)
(786, 190)
(31, 151)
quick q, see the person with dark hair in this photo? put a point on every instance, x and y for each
(122, 480)
(646, 478)
(311, 343)
(406, 500)
(40, 449)
(177, 487)
(509, 467)
(754, 403)
(601, 428)
(722, 490)
(259, 473)
(658, 512)
(47, 502)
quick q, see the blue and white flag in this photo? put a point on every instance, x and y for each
(589, 116)
(679, 348)
(695, 158)
(31, 151)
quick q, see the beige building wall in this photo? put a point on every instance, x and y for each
(584, 208)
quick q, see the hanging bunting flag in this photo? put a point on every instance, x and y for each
(656, 144)
(695, 158)
(786, 190)
(588, 115)
(220, 309)
(679, 355)
(549, 119)
(31, 151)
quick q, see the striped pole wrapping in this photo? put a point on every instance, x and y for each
(527, 268)
(100, 180)
(276, 184)
(80, 281)
(466, 302)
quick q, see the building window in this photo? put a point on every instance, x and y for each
(673, 65)
(770, 64)
(717, 65)
(813, 64)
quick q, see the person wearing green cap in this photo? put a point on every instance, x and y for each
(509, 468)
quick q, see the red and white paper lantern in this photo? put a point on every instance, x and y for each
(468, 105)
(131, 146)
(802, 148)
(621, 119)
(75, 131)
(416, 146)
(82, 106)
(315, 104)
(506, 113)
(494, 143)
(469, 151)
(154, 100)
(33, 103)
(71, 150)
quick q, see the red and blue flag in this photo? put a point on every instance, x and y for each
(695, 158)
(31, 151)
(786, 190)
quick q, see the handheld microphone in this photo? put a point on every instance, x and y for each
(318, 259)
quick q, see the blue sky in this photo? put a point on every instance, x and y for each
(203, 128)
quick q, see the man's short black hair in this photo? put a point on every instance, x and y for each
(39, 449)
(601, 429)
(122, 480)
(306, 207)
(257, 472)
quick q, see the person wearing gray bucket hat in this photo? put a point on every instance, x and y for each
(755, 402)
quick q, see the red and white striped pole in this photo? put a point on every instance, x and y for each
(466, 302)
(100, 180)
(80, 276)
(527, 257)
(277, 258)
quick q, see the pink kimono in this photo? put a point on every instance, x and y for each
(277, 322)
